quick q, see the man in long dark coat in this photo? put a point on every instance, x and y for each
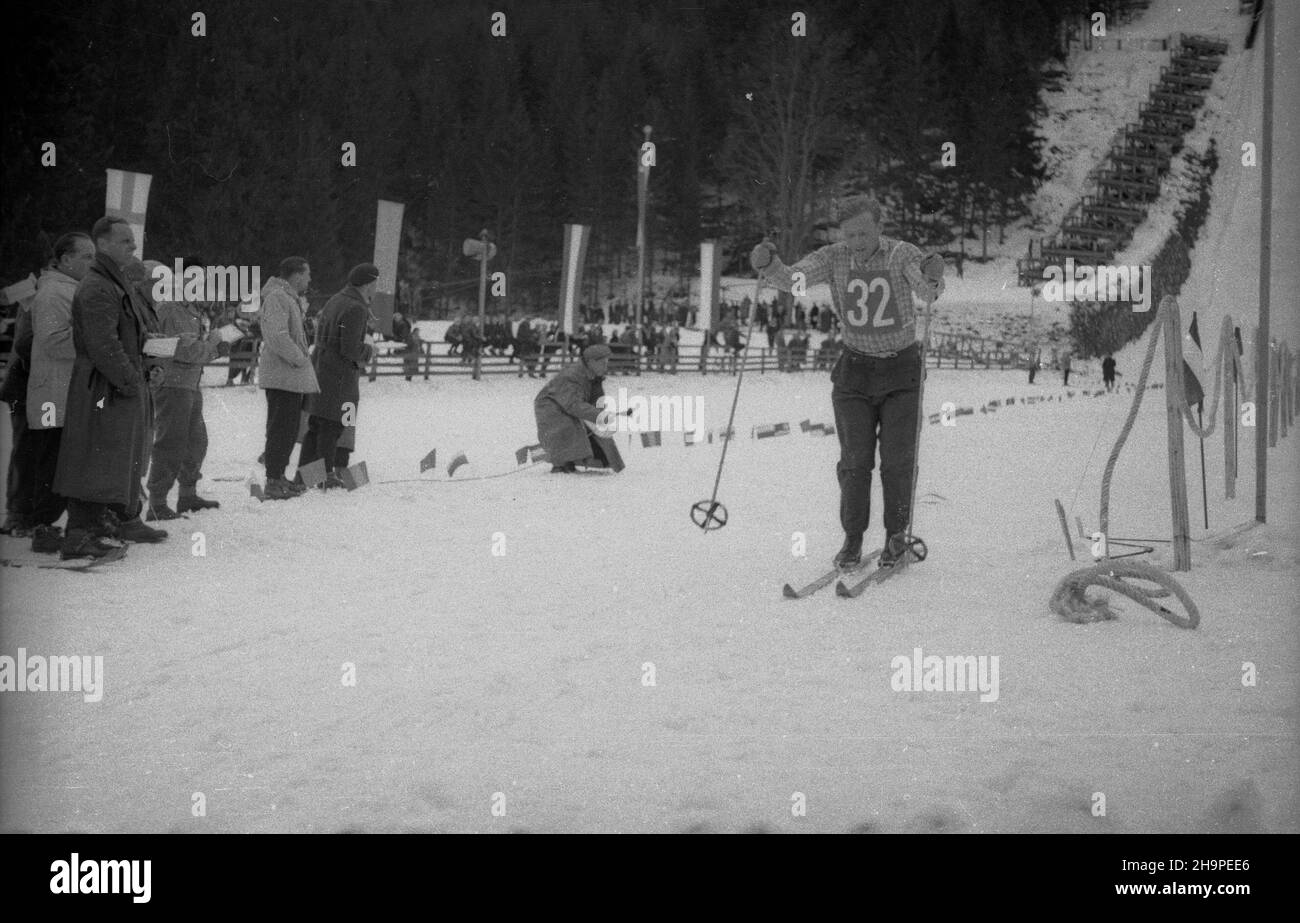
(342, 353)
(106, 431)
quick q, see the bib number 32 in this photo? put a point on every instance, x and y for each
(875, 303)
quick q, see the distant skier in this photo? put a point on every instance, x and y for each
(876, 379)
(1108, 372)
(563, 408)
(1035, 363)
(1065, 369)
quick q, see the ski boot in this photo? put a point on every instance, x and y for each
(850, 554)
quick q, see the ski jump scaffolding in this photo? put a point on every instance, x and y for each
(1069, 599)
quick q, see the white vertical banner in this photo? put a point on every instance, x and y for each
(710, 285)
(575, 256)
(388, 243)
(127, 197)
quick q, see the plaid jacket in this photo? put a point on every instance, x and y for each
(873, 299)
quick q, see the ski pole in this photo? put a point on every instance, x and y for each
(707, 510)
(920, 420)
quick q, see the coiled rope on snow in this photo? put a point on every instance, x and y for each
(1070, 600)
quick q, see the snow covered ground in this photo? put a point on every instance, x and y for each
(503, 632)
(523, 673)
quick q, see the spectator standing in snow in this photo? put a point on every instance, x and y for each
(52, 357)
(1108, 372)
(287, 374)
(342, 354)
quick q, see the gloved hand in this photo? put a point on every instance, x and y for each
(933, 266)
(761, 256)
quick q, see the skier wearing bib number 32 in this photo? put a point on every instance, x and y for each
(877, 378)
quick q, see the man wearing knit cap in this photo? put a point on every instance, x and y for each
(342, 353)
(564, 407)
(876, 379)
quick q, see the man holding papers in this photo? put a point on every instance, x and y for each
(180, 440)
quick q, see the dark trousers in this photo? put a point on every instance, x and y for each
(47, 506)
(321, 441)
(1033, 369)
(180, 442)
(875, 403)
(283, 409)
(18, 486)
(1065, 377)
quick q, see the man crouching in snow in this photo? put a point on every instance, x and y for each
(564, 407)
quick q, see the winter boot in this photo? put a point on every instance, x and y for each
(47, 539)
(79, 543)
(280, 489)
(188, 503)
(159, 510)
(566, 468)
(16, 524)
(134, 530)
(895, 549)
(332, 481)
(850, 554)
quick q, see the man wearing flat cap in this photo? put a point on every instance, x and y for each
(564, 407)
(342, 354)
(877, 377)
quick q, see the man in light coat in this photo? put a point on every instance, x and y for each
(53, 355)
(563, 408)
(286, 373)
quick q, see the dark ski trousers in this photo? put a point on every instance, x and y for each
(18, 489)
(180, 442)
(321, 441)
(875, 403)
(47, 506)
(283, 410)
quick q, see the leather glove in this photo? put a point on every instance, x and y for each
(761, 256)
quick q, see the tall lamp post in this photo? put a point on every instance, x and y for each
(481, 249)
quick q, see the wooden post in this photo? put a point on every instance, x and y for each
(1182, 539)
(1060, 512)
(1284, 389)
(1274, 365)
(1230, 411)
(482, 303)
(428, 352)
(1265, 277)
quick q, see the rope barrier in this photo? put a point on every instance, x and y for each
(484, 477)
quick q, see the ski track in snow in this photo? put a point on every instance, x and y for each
(522, 674)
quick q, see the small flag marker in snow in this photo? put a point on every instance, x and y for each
(429, 461)
(774, 429)
(457, 462)
(354, 476)
(651, 439)
(313, 473)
